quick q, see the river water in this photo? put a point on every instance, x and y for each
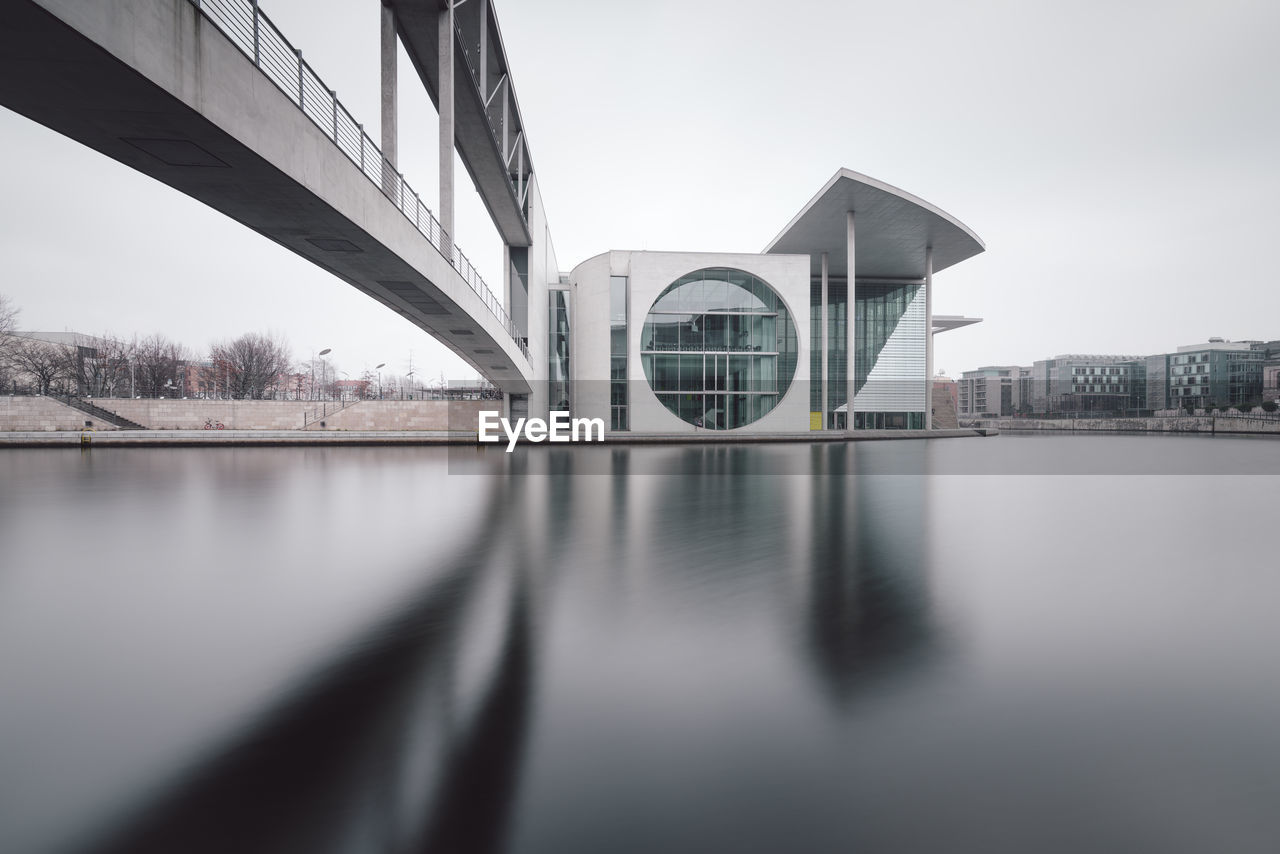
(782, 648)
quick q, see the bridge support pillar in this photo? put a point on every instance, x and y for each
(447, 40)
(389, 91)
(389, 86)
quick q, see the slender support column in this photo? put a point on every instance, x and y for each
(928, 338)
(823, 379)
(506, 274)
(506, 134)
(851, 313)
(390, 136)
(446, 128)
(484, 48)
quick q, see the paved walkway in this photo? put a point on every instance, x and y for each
(161, 438)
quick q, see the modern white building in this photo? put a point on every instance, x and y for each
(674, 342)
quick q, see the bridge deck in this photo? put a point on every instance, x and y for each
(155, 85)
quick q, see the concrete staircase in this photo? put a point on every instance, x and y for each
(944, 413)
(97, 411)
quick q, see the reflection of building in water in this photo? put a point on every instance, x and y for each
(867, 607)
(380, 751)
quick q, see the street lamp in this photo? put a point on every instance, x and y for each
(379, 370)
(326, 351)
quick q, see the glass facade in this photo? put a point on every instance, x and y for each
(719, 348)
(879, 310)
(618, 314)
(558, 350)
(837, 344)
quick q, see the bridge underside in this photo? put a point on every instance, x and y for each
(151, 84)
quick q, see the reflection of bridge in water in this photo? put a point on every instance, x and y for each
(410, 742)
(210, 98)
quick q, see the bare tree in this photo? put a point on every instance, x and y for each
(8, 325)
(41, 365)
(100, 366)
(158, 366)
(252, 365)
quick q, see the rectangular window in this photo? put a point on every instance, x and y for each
(619, 317)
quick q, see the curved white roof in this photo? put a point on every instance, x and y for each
(892, 229)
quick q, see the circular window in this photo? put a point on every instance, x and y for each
(719, 348)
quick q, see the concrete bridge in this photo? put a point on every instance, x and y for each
(210, 98)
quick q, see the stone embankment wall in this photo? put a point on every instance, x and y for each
(162, 414)
(1186, 424)
(426, 415)
(434, 415)
(44, 415)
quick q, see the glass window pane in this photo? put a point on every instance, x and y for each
(691, 332)
(713, 412)
(769, 337)
(666, 334)
(666, 373)
(714, 373)
(690, 407)
(716, 334)
(715, 295)
(757, 334)
(669, 301)
(764, 295)
(739, 378)
(691, 373)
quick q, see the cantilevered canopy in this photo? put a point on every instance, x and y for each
(947, 322)
(892, 229)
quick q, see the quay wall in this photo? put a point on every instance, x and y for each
(399, 415)
(1206, 424)
(44, 415)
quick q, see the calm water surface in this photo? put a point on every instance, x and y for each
(655, 649)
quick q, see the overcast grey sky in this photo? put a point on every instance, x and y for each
(1118, 158)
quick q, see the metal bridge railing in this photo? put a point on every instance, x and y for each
(250, 30)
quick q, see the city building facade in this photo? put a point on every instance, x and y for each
(990, 391)
(1217, 373)
(1088, 383)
